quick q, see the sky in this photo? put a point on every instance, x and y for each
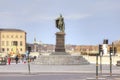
(87, 22)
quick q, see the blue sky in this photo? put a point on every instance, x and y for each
(87, 22)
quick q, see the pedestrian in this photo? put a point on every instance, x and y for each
(9, 60)
(24, 59)
(16, 59)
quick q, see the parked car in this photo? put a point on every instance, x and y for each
(3, 61)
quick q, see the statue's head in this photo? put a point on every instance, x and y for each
(60, 15)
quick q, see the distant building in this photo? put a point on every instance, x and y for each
(70, 48)
(87, 49)
(117, 45)
(12, 41)
(38, 46)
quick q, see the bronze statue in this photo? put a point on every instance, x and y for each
(60, 23)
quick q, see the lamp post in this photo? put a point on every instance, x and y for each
(29, 50)
(97, 66)
(100, 49)
(100, 53)
(111, 51)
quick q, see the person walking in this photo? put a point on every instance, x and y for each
(16, 59)
(9, 60)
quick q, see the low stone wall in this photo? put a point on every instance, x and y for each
(105, 59)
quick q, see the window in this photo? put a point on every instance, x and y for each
(7, 43)
(3, 43)
(14, 43)
(7, 36)
(3, 49)
(21, 43)
(16, 36)
(20, 36)
(20, 49)
(11, 36)
(7, 49)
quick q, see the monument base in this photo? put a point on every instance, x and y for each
(60, 60)
(60, 42)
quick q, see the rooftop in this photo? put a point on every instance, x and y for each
(10, 29)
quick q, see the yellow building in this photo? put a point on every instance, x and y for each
(12, 41)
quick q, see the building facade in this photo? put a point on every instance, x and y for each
(12, 41)
(87, 49)
(117, 45)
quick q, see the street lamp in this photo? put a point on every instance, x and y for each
(100, 50)
(29, 50)
(111, 51)
(100, 53)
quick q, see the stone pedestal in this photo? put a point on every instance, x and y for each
(60, 42)
(61, 60)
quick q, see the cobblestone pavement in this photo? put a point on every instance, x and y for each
(57, 72)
